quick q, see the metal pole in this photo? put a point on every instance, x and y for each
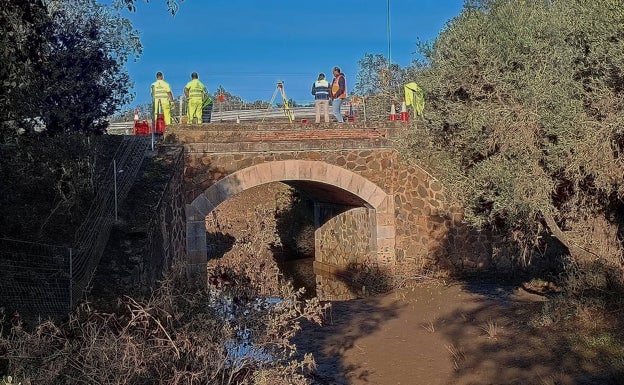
(181, 109)
(389, 52)
(153, 121)
(115, 179)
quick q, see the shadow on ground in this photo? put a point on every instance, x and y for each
(344, 324)
(510, 338)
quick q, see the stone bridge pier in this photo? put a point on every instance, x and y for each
(373, 211)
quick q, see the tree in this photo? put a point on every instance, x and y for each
(172, 5)
(24, 28)
(84, 70)
(525, 119)
(381, 84)
(229, 102)
(375, 76)
(64, 65)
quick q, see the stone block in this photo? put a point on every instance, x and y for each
(196, 244)
(384, 219)
(247, 177)
(385, 244)
(334, 175)
(263, 171)
(319, 171)
(291, 170)
(278, 169)
(216, 193)
(203, 205)
(193, 214)
(386, 232)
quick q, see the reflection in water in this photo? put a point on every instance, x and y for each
(300, 272)
(328, 286)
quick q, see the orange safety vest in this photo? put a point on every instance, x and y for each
(336, 87)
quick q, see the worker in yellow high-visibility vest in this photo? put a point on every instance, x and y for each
(161, 91)
(195, 93)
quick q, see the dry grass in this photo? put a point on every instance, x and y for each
(491, 329)
(429, 326)
(177, 336)
(457, 355)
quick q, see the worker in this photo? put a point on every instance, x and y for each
(195, 93)
(161, 92)
(320, 90)
(338, 93)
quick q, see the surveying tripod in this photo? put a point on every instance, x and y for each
(280, 88)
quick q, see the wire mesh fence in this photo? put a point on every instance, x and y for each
(36, 276)
(94, 232)
(47, 281)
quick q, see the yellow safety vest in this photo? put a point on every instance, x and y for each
(160, 89)
(196, 89)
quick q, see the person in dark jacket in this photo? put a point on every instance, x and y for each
(320, 90)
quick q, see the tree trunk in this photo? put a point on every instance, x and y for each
(577, 253)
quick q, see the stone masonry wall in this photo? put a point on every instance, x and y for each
(167, 237)
(429, 234)
(342, 246)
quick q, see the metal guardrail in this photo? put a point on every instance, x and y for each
(275, 113)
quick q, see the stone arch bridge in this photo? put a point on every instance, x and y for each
(372, 209)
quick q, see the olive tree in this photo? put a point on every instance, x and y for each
(525, 119)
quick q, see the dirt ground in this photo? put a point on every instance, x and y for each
(433, 334)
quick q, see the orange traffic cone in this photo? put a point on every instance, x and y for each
(404, 114)
(160, 120)
(393, 115)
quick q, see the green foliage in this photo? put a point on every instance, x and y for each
(380, 84)
(526, 110)
(172, 5)
(375, 76)
(48, 185)
(65, 66)
(24, 26)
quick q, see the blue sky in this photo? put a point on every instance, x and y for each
(246, 46)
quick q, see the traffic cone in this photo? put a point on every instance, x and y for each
(404, 114)
(160, 120)
(393, 115)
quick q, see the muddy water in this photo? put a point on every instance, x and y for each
(437, 334)
(301, 273)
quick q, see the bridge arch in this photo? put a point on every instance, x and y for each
(337, 184)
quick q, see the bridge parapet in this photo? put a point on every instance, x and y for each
(248, 137)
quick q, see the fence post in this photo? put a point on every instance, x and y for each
(115, 182)
(71, 279)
